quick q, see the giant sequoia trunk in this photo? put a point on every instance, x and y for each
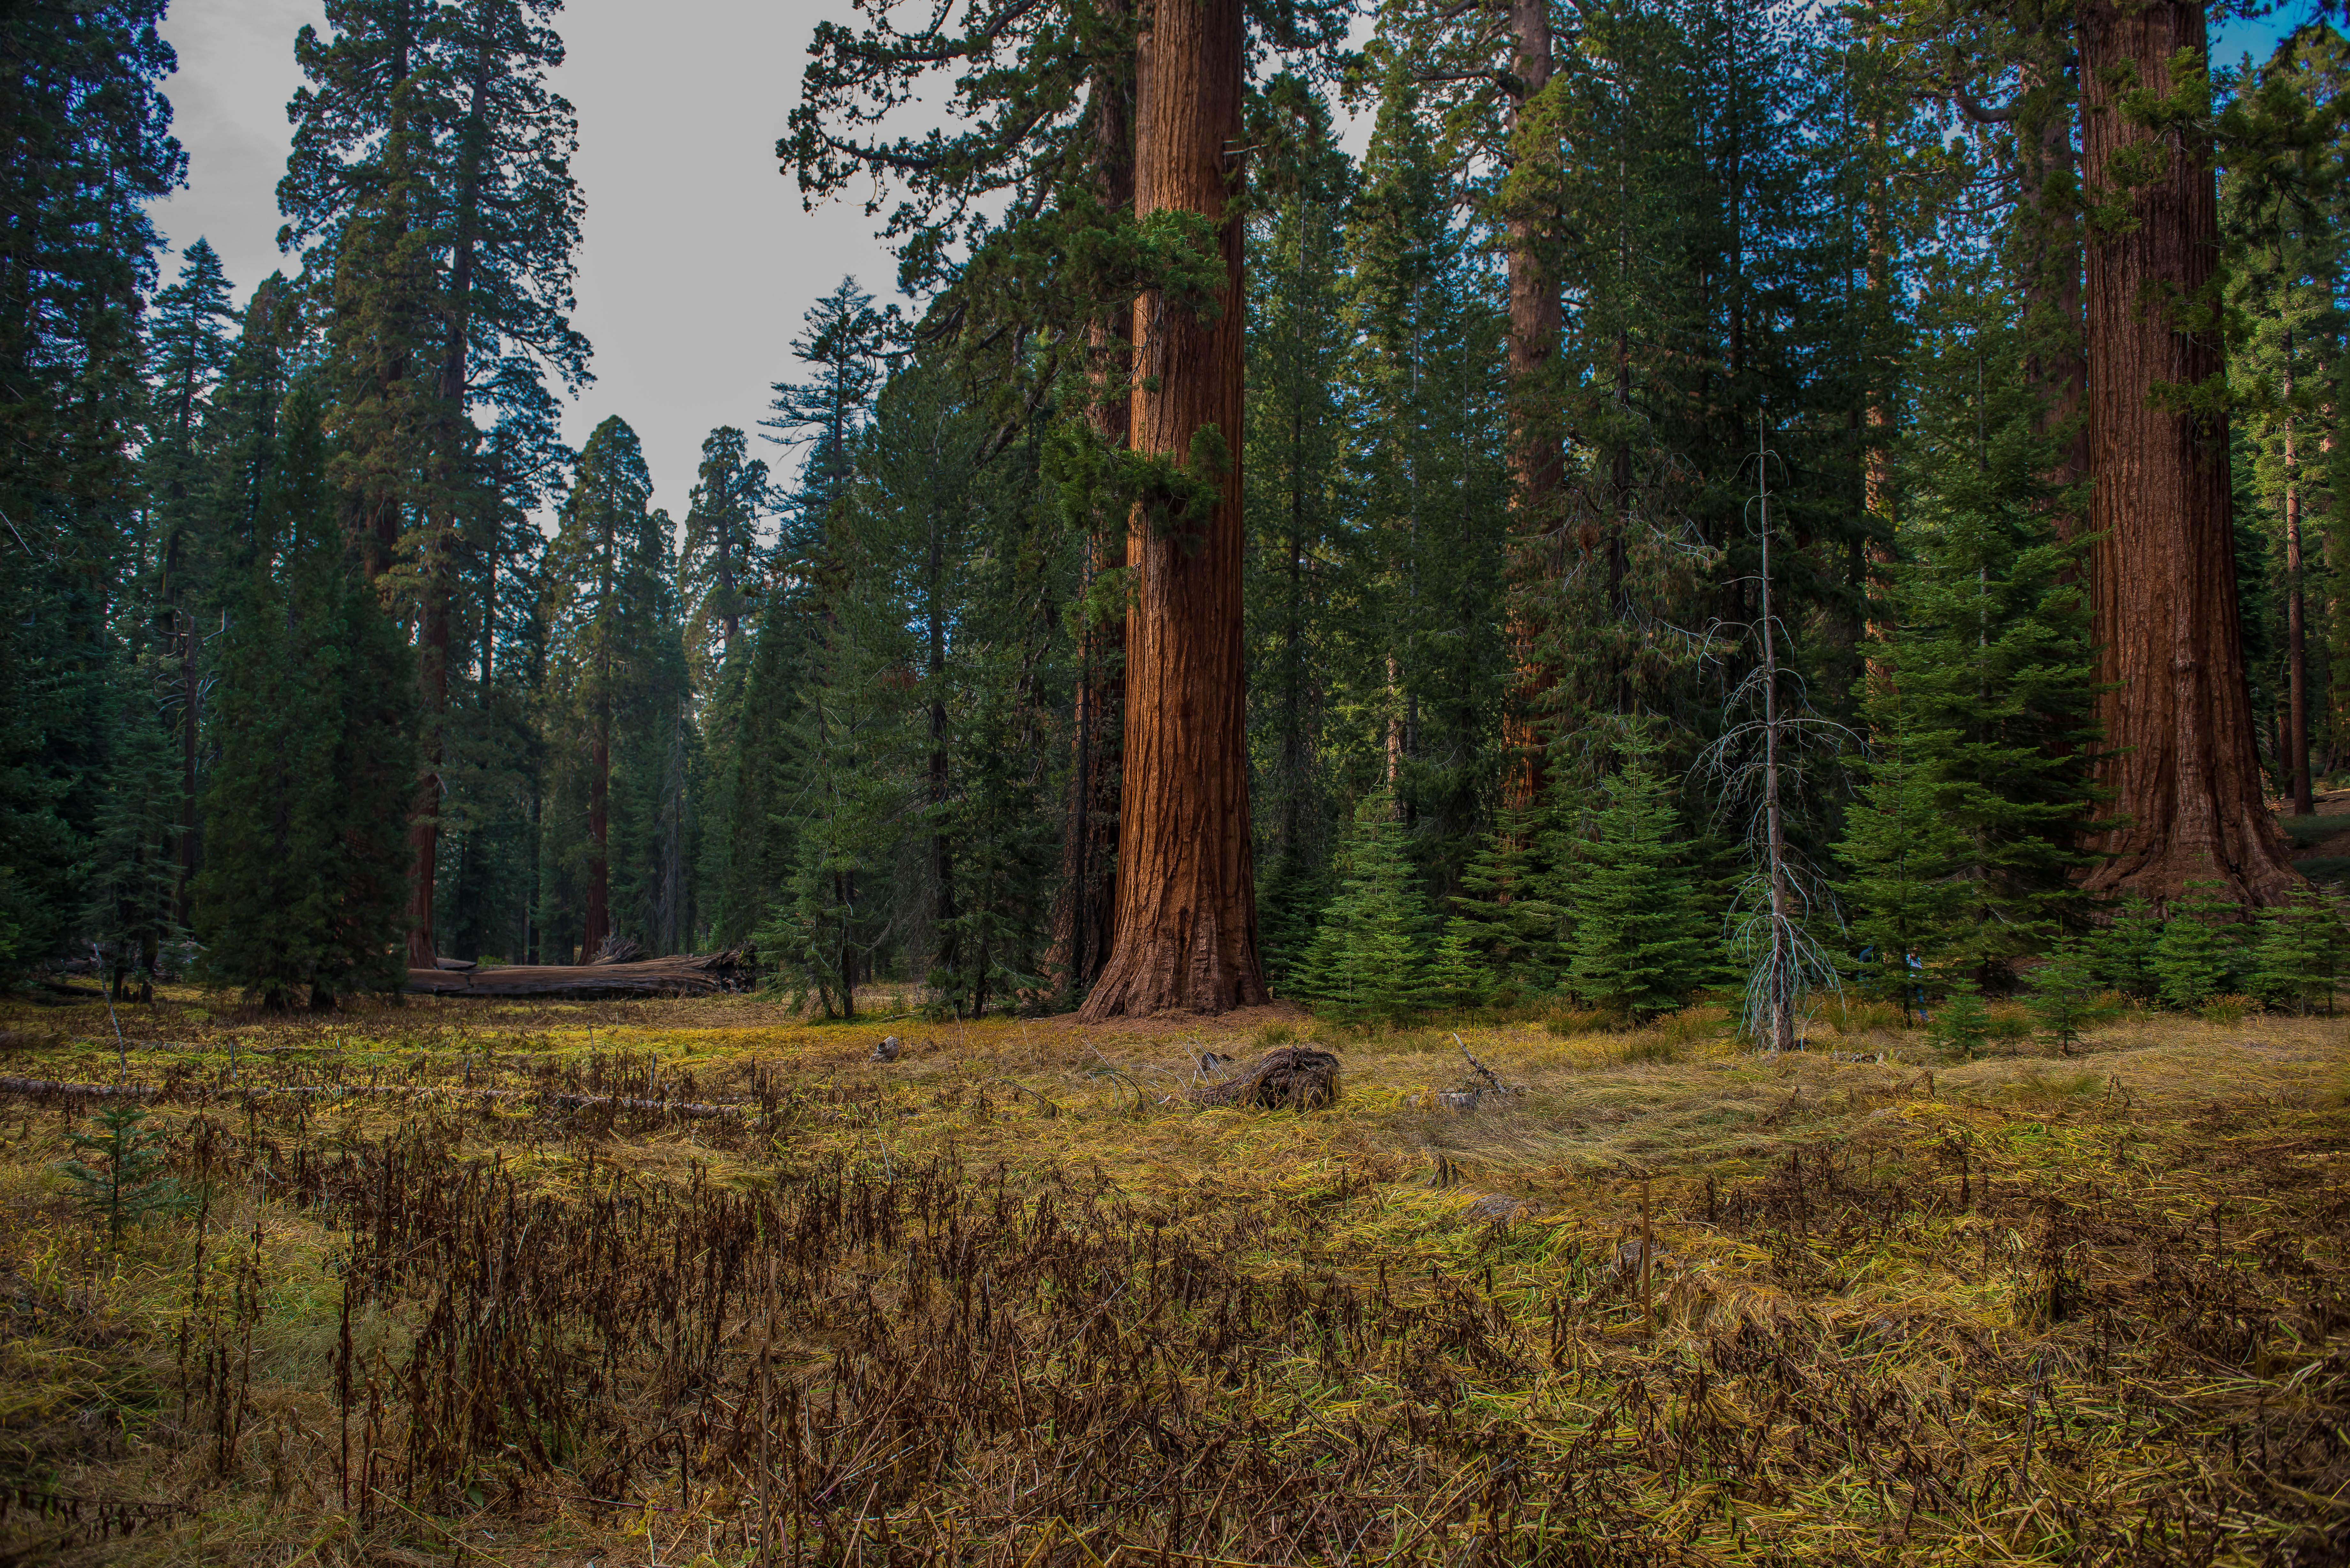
(1186, 917)
(2178, 720)
(1537, 460)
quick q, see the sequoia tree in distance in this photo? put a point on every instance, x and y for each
(1186, 921)
(2176, 715)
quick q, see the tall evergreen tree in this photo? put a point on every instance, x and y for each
(1639, 947)
(88, 143)
(431, 165)
(305, 875)
(615, 694)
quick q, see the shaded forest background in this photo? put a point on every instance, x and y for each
(1677, 533)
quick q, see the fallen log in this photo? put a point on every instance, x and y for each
(687, 974)
(1293, 1078)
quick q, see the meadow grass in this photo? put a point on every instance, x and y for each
(702, 1282)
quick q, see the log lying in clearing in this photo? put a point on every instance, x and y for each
(1295, 1077)
(688, 974)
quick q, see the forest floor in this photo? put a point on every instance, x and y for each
(666, 1282)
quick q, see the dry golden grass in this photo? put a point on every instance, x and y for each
(1033, 1307)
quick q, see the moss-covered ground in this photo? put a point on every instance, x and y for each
(703, 1282)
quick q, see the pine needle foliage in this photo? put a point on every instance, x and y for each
(2123, 951)
(2201, 952)
(1369, 959)
(2297, 958)
(120, 1173)
(2063, 993)
(304, 880)
(1639, 947)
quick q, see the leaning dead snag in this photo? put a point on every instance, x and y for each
(1761, 765)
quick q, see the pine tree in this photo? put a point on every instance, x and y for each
(1423, 668)
(2062, 995)
(1369, 959)
(2200, 952)
(134, 856)
(2299, 953)
(1983, 699)
(1304, 559)
(304, 875)
(1902, 852)
(1639, 947)
(87, 147)
(617, 681)
(2122, 950)
(1506, 908)
(842, 344)
(1458, 975)
(430, 168)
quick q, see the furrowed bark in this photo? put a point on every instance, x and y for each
(1186, 884)
(2178, 716)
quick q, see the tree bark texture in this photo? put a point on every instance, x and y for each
(1537, 457)
(2177, 715)
(1186, 918)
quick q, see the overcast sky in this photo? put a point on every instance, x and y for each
(697, 261)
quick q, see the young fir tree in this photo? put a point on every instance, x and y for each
(1458, 975)
(2298, 957)
(121, 1171)
(2122, 951)
(2201, 952)
(2062, 995)
(1962, 1023)
(1983, 697)
(1369, 959)
(1506, 911)
(1639, 946)
(1900, 850)
(304, 877)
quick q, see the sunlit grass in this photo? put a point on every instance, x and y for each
(1877, 1280)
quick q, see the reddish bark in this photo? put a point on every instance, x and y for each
(1186, 899)
(2178, 718)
